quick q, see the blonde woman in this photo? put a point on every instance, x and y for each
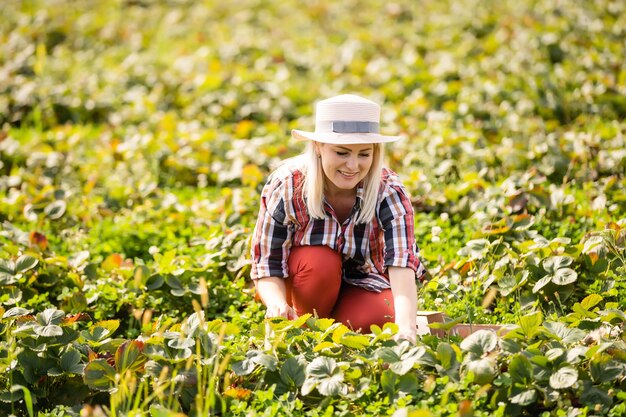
(334, 235)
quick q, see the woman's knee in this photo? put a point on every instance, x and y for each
(359, 308)
(314, 279)
(315, 266)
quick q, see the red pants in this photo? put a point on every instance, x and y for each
(314, 286)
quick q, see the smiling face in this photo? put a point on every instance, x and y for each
(345, 166)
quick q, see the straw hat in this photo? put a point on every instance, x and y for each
(346, 120)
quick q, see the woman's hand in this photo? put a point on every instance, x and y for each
(273, 293)
(281, 310)
(406, 333)
(404, 293)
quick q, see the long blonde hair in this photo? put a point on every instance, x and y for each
(313, 187)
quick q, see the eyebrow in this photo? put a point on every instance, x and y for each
(350, 150)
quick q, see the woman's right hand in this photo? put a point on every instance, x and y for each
(281, 310)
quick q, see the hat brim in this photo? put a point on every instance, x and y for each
(344, 138)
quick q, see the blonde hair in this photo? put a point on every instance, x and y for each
(313, 187)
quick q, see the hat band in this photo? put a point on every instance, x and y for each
(342, 126)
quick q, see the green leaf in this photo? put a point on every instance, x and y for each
(483, 369)
(292, 373)
(7, 267)
(563, 333)
(180, 343)
(25, 262)
(525, 398)
(326, 376)
(521, 370)
(564, 276)
(56, 209)
(13, 295)
(174, 282)
(530, 324)
(47, 323)
(15, 312)
(591, 301)
(70, 361)
(388, 381)
(129, 356)
(554, 263)
(446, 355)
(156, 281)
(564, 378)
(480, 343)
(99, 375)
(542, 283)
(355, 341)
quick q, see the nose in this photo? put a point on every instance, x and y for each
(352, 163)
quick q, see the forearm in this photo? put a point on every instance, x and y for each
(271, 290)
(404, 291)
(273, 293)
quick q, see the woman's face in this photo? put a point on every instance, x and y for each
(345, 165)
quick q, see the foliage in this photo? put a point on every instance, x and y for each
(136, 136)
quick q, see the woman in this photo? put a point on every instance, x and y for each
(334, 236)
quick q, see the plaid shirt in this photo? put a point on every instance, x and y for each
(367, 249)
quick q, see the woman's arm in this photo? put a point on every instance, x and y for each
(404, 292)
(273, 293)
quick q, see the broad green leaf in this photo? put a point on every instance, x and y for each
(480, 343)
(7, 267)
(563, 333)
(593, 396)
(129, 356)
(530, 324)
(592, 242)
(564, 276)
(13, 295)
(606, 370)
(591, 301)
(554, 354)
(355, 341)
(155, 281)
(50, 316)
(254, 358)
(319, 324)
(525, 398)
(446, 355)
(15, 312)
(292, 373)
(99, 375)
(24, 263)
(521, 370)
(47, 323)
(483, 369)
(388, 381)
(327, 376)
(553, 263)
(542, 283)
(70, 361)
(180, 343)
(56, 209)
(174, 282)
(564, 378)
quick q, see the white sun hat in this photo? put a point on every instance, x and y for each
(346, 120)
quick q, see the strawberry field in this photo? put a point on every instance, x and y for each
(135, 138)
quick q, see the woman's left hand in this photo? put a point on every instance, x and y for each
(406, 333)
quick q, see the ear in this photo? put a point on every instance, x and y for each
(318, 148)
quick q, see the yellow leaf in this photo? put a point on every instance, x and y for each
(251, 175)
